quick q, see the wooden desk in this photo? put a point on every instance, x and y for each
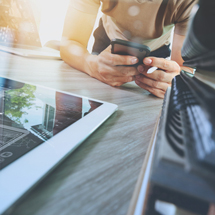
(99, 177)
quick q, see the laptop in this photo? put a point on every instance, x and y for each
(179, 171)
(19, 34)
(39, 127)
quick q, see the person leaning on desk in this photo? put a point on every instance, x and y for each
(145, 21)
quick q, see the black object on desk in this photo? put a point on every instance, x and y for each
(183, 168)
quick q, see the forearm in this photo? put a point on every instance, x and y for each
(77, 56)
(78, 27)
(176, 52)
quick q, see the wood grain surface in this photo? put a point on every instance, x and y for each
(136, 193)
(99, 177)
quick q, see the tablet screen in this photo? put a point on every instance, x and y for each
(30, 115)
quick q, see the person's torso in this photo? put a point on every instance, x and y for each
(145, 21)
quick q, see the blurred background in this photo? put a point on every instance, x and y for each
(37, 18)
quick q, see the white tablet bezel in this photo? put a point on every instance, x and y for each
(21, 175)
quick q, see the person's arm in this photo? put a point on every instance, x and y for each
(158, 81)
(76, 33)
(106, 67)
(176, 55)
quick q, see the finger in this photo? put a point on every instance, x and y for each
(160, 75)
(142, 68)
(118, 60)
(166, 65)
(122, 79)
(115, 84)
(126, 70)
(157, 92)
(211, 210)
(117, 71)
(152, 83)
(115, 81)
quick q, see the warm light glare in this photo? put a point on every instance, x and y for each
(52, 17)
(53, 13)
(134, 10)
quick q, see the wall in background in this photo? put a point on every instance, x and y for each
(53, 13)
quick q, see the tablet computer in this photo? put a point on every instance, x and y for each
(39, 127)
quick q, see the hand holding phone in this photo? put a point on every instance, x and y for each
(123, 47)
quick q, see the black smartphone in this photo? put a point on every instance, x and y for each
(123, 47)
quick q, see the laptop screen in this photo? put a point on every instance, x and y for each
(30, 115)
(18, 23)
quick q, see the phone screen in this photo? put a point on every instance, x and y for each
(122, 47)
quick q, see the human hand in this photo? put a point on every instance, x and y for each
(158, 81)
(110, 68)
